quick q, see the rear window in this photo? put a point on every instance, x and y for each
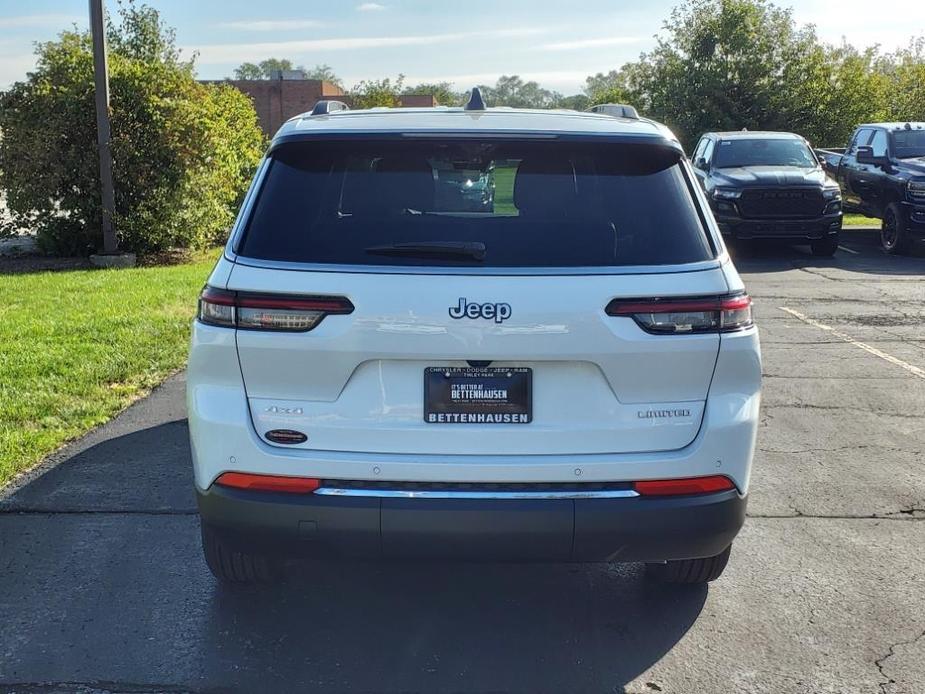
(432, 201)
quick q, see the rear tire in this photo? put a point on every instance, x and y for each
(894, 232)
(688, 571)
(825, 248)
(231, 565)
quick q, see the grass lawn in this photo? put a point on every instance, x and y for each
(504, 189)
(78, 346)
(859, 220)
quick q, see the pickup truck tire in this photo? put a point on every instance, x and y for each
(894, 232)
(690, 570)
(825, 248)
(231, 565)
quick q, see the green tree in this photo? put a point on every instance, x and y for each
(267, 69)
(511, 90)
(249, 71)
(832, 90)
(326, 73)
(373, 93)
(263, 70)
(733, 64)
(576, 102)
(607, 88)
(182, 151)
(441, 91)
(904, 75)
(719, 66)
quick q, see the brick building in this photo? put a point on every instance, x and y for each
(277, 100)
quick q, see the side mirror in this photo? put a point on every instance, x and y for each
(865, 155)
(701, 164)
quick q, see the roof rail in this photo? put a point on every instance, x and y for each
(475, 103)
(616, 110)
(324, 107)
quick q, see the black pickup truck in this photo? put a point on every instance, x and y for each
(882, 174)
(769, 185)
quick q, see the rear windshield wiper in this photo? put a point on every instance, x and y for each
(465, 249)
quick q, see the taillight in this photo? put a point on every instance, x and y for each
(268, 483)
(216, 307)
(692, 485)
(248, 311)
(684, 316)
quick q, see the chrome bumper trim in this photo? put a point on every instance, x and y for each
(451, 494)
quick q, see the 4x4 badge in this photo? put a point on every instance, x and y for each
(498, 312)
(275, 409)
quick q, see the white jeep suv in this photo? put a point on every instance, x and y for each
(473, 333)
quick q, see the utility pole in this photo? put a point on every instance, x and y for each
(101, 73)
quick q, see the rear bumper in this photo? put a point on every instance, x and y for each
(802, 229)
(223, 437)
(624, 529)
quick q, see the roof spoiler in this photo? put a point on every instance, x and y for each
(324, 107)
(616, 110)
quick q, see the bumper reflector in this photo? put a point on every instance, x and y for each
(693, 485)
(309, 485)
(268, 483)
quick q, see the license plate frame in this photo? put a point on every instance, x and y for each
(473, 395)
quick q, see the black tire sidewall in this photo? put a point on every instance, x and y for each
(233, 563)
(825, 247)
(690, 571)
(902, 235)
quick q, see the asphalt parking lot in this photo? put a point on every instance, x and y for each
(102, 584)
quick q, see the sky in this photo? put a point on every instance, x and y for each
(553, 42)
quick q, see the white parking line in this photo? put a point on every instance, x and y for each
(849, 250)
(914, 370)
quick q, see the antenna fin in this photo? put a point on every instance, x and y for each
(475, 103)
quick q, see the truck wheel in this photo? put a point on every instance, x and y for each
(894, 233)
(231, 564)
(690, 570)
(825, 247)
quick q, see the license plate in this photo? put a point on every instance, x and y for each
(491, 395)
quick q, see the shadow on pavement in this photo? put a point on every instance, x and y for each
(147, 470)
(863, 255)
(100, 564)
(448, 627)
